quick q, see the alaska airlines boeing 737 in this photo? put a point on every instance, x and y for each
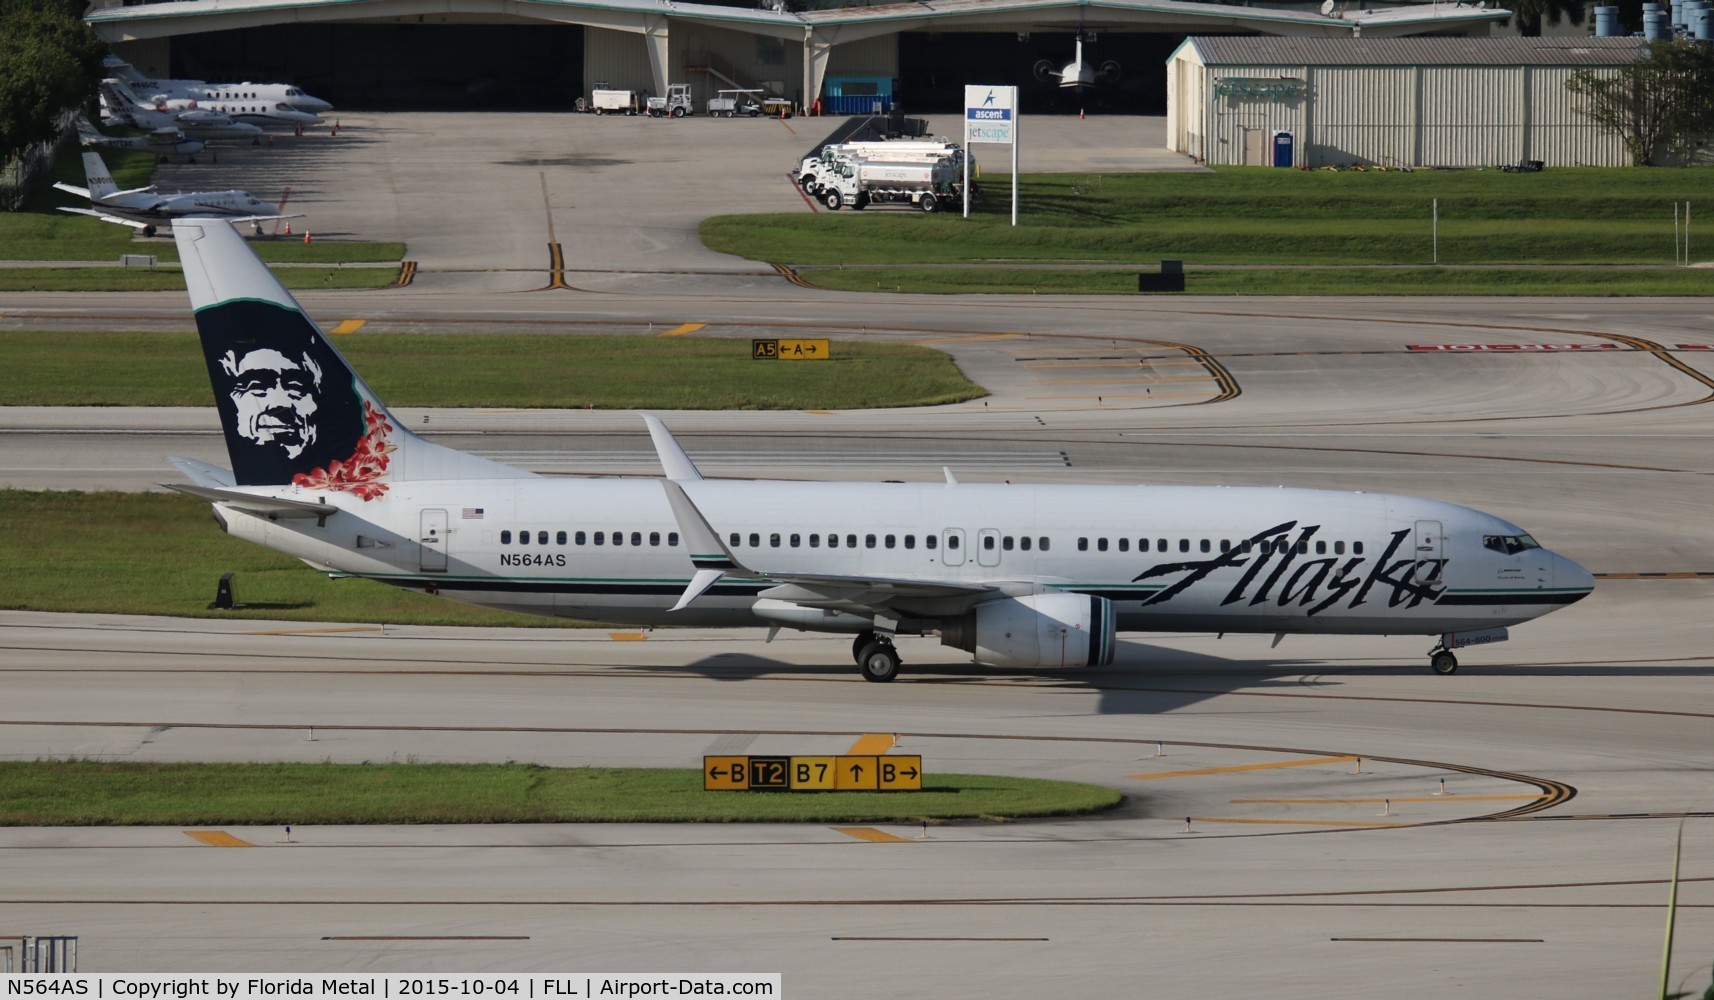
(1020, 576)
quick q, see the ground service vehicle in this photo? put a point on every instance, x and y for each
(727, 103)
(677, 103)
(616, 102)
(892, 151)
(861, 183)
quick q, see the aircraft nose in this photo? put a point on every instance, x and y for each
(1571, 578)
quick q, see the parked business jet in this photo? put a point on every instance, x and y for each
(198, 90)
(143, 208)
(1020, 576)
(164, 141)
(1078, 75)
(200, 123)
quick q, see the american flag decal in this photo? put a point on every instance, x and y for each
(473, 513)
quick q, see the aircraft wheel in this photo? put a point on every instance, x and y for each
(148, 232)
(863, 638)
(833, 200)
(1443, 663)
(879, 662)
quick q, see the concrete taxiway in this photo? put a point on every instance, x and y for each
(1569, 755)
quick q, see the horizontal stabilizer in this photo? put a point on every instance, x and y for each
(203, 474)
(72, 189)
(274, 506)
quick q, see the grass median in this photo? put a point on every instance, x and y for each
(1256, 216)
(128, 279)
(1274, 281)
(98, 793)
(56, 368)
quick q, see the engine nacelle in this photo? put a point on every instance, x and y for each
(1040, 630)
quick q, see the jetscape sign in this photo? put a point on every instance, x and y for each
(990, 114)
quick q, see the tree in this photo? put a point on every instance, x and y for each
(1659, 104)
(49, 61)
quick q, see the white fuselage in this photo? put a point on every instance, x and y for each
(1169, 557)
(152, 207)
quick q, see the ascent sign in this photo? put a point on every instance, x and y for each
(989, 113)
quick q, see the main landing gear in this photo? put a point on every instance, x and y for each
(876, 657)
(1442, 661)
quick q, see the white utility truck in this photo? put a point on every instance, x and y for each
(616, 102)
(811, 170)
(930, 186)
(677, 103)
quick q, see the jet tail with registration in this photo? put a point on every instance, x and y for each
(294, 412)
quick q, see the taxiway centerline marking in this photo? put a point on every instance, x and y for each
(1243, 767)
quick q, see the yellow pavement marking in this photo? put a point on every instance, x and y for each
(820, 413)
(1131, 395)
(627, 636)
(967, 340)
(1127, 380)
(1243, 767)
(872, 745)
(871, 834)
(320, 631)
(1449, 797)
(682, 329)
(1290, 822)
(217, 838)
(350, 326)
(1133, 363)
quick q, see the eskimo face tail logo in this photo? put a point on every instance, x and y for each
(1277, 571)
(288, 403)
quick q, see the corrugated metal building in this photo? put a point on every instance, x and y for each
(1453, 102)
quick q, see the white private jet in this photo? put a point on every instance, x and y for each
(165, 141)
(1078, 75)
(198, 90)
(144, 208)
(124, 108)
(1020, 576)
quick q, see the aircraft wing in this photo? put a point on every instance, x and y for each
(105, 217)
(270, 506)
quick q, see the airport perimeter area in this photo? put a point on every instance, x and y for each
(1317, 817)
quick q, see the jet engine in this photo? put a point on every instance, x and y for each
(1040, 630)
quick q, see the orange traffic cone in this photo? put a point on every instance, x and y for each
(1079, 114)
(306, 236)
(288, 229)
(336, 126)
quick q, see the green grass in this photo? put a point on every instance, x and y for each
(1252, 215)
(40, 232)
(95, 793)
(1278, 281)
(138, 279)
(510, 370)
(80, 552)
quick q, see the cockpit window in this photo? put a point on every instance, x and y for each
(1509, 545)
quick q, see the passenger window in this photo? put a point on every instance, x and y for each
(654, 538)
(850, 541)
(505, 538)
(1184, 545)
(1205, 546)
(636, 538)
(1024, 542)
(1124, 545)
(618, 538)
(559, 538)
(1338, 548)
(580, 538)
(1303, 547)
(1006, 543)
(1320, 548)
(774, 541)
(910, 541)
(600, 538)
(1041, 543)
(987, 543)
(929, 541)
(1160, 545)
(1100, 544)
(1356, 548)
(868, 541)
(732, 540)
(952, 541)
(1083, 545)
(523, 538)
(832, 541)
(815, 541)
(1225, 545)
(755, 540)
(796, 540)
(672, 538)
(541, 538)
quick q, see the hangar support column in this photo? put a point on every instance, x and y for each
(655, 39)
(815, 52)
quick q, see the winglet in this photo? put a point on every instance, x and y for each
(674, 461)
(951, 480)
(712, 559)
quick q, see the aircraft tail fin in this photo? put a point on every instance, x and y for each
(293, 410)
(100, 181)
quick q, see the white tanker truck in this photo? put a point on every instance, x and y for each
(812, 169)
(930, 185)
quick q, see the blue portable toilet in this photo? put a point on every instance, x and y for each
(1283, 149)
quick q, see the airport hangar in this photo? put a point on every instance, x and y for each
(544, 54)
